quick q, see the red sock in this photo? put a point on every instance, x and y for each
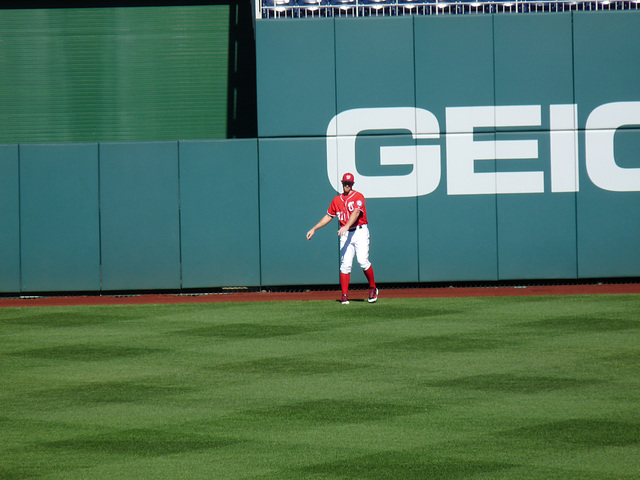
(344, 282)
(369, 274)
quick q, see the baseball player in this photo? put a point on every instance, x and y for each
(350, 209)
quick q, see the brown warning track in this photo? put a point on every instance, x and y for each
(149, 299)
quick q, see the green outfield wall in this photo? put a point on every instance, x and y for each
(489, 147)
(482, 142)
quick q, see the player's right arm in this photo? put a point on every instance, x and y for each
(323, 221)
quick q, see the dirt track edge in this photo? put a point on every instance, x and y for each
(150, 299)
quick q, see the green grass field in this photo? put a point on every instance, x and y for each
(443, 389)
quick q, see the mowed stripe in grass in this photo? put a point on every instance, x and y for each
(477, 388)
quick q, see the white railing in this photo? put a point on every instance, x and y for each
(356, 8)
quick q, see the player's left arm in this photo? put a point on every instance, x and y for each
(353, 218)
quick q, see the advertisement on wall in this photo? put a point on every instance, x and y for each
(462, 150)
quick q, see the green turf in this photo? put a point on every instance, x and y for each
(477, 388)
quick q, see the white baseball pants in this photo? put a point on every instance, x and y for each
(355, 244)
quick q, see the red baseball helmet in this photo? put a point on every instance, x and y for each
(347, 178)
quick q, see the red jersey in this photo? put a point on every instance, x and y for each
(343, 207)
